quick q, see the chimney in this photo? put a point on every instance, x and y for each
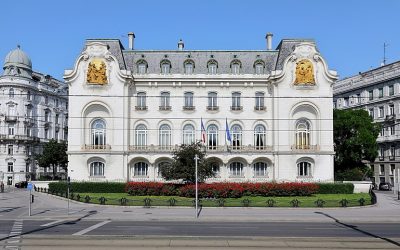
(131, 37)
(181, 45)
(269, 41)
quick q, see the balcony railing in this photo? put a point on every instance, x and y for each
(11, 118)
(96, 147)
(236, 107)
(209, 149)
(260, 108)
(390, 117)
(212, 107)
(153, 148)
(29, 120)
(305, 148)
(141, 107)
(392, 157)
(165, 107)
(188, 108)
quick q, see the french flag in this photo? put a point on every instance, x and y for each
(203, 132)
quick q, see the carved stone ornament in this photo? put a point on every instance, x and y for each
(96, 73)
(304, 73)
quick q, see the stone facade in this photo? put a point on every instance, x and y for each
(378, 92)
(125, 121)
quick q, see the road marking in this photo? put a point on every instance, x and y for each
(51, 223)
(82, 232)
(14, 240)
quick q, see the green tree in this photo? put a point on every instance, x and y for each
(54, 154)
(355, 136)
(183, 165)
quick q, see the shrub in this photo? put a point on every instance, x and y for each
(335, 188)
(88, 187)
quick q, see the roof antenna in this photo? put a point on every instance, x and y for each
(384, 53)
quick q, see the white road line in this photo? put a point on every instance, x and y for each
(51, 223)
(82, 232)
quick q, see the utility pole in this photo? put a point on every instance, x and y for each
(196, 158)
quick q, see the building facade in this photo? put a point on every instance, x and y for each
(33, 109)
(258, 112)
(378, 92)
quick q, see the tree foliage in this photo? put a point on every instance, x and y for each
(183, 165)
(355, 137)
(54, 154)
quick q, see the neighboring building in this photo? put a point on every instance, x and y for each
(130, 108)
(378, 92)
(33, 109)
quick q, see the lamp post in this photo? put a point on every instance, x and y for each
(196, 158)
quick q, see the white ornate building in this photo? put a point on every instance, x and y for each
(130, 108)
(33, 109)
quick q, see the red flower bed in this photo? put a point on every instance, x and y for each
(223, 190)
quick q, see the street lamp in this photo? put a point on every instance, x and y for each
(196, 158)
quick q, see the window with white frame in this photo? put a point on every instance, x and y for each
(10, 167)
(165, 98)
(381, 169)
(212, 100)
(382, 133)
(381, 112)
(392, 151)
(380, 92)
(10, 149)
(212, 67)
(260, 137)
(235, 67)
(140, 169)
(189, 66)
(98, 133)
(236, 169)
(391, 90)
(46, 133)
(371, 113)
(11, 128)
(165, 67)
(142, 67)
(11, 93)
(165, 137)
(260, 169)
(236, 131)
(141, 100)
(11, 110)
(47, 116)
(371, 95)
(188, 100)
(28, 95)
(381, 152)
(259, 68)
(392, 168)
(345, 102)
(212, 137)
(392, 130)
(391, 109)
(259, 105)
(141, 136)
(215, 168)
(304, 169)
(97, 168)
(302, 134)
(188, 134)
(236, 101)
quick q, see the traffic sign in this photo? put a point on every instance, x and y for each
(29, 186)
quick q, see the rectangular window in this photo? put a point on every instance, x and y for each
(392, 130)
(381, 169)
(380, 92)
(371, 95)
(212, 101)
(164, 105)
(391, 90)
(371, 113)
(345, 102)
(56, 135)
(188, 100)
(382, 133)
(392, 151)
(57, 116)
(236, 101)
(391, 109)
(392, 168)
(141, 101)
(381, 152)
(11, 129)
(381, 112)
(259, 105)
(142, 68)
(46, 133)
(57, 102)
(10, 167)
(10, 149)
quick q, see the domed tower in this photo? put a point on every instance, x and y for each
(17, 63)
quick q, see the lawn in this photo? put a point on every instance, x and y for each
(329, 200)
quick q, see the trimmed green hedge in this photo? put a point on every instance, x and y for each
(88, 187)
(119, 187)
(335, 188)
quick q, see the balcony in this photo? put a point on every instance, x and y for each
(392, 157)
(260, 108)
(305, 148)
(26, 138)
(235, 108)
(381, 157)
(153, 148)
(165, 107)
(89, 147)
(29, 120)
(390, 118)
(212, 108)
(188, 107)
(140, 107)
(11, 118)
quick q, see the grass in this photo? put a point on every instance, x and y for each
(330, 200)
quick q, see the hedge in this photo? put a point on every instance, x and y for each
(335, 188)
(88, 187)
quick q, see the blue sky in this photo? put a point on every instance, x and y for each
(349, 33)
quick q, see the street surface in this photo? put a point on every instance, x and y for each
(86, 226)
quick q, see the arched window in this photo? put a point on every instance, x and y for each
(11, 93)
(302, 134)
(212, 101)
(97, 168)
(165, 137)
(141, 67)
(236, 169)
(260, 169)
(188, 134)
(140, 169)
(260, 137)
(235, 67)
(304, 169)
(236, 137)
(141, 101)
(141, 137)
(215, 168)
(165, 67)
(212, 137)
(212, 66)
(259, 67)
(189, 66)
(98, 133)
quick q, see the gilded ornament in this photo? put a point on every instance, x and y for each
(97, 72)
(304, 73)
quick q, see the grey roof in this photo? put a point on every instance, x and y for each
(272, 59)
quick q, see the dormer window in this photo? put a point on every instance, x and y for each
(259, 67)
(235, 67)
(165, 67)
(212, 66)
(141, 67)
(189, 66)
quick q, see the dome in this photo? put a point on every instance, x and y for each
(18, 58)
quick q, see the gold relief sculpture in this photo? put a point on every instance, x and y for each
(304, 73)
(97, 72)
